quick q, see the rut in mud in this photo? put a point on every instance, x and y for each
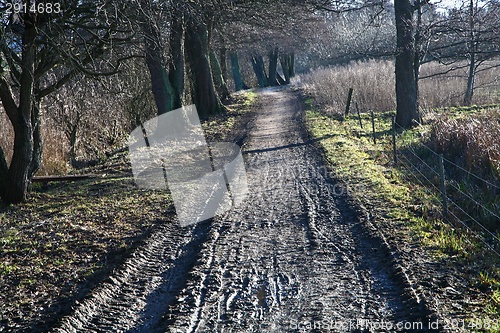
(294, 255)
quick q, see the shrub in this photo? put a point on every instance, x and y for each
(472, 142)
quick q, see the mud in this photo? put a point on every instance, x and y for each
(296, 256)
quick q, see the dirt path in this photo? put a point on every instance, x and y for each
(294, 256)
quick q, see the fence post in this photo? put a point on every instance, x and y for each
(348, 104)
(394, 148)
(373, 127)
(443, 186)
(359, 116)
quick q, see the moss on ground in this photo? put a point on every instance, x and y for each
(394, 194)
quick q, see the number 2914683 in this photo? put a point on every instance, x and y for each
(36, 8)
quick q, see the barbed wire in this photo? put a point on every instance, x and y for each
(420, 172)
(454, 186)
(474, 200)
(422, 161)
(474, 233)
(454, 204)
(477, 222)
(456, 217)
(447, 199)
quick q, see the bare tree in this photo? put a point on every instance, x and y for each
(466, 38)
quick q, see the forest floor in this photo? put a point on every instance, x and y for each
(299, 255)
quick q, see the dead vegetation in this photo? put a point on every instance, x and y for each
(471, 141)
(69, 236)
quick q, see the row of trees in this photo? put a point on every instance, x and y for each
(464, 39)
(183, 43)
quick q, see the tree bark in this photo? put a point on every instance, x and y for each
(292, 65)
(281, 80)
(17, 179)
(176, 66)
(219, 81)
(406, 84)
(273, 67)
(285, 62)
(469, 91)
(259, 70)
(36, 160)
(239, 83)
(204, 94)
(418, 55)
(223, 60)
(162, 89)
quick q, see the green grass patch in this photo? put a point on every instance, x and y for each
(396, 196)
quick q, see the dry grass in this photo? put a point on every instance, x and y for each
(6, 135)
(55, 151)
(467, 136)
(472, 141)
(448, 89)
(373, 83)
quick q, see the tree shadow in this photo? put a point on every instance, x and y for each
(306, 143)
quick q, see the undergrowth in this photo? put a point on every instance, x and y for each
(69, 236)
(398, 195)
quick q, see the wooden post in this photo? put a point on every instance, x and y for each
(443, 186)
(373, 127)
(348, 104)
(359, 116)
(394, 148)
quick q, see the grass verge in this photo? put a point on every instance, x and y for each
(407, 210)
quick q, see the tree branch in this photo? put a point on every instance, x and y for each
(7, 98)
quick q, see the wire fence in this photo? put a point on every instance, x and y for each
(461, 207)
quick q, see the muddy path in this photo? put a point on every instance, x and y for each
(296, 256)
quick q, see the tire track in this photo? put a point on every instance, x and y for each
(296, 253)
(136, 296)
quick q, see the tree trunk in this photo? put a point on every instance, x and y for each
(176, 66)
(72, 134)
(259, 70)
(469, 91)
(4, 169)
(204, 94)
(292, 65)
(418, 55)
(223, 60)
(273, 67)
(281, 81)
(18, 176)
(406, 85)
(17, 179)
(162, 89)
(285, 66)
(36, 161)
(220, 84)
(239, 83)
